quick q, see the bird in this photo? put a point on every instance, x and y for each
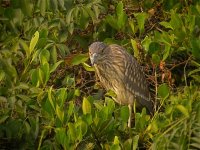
(120, 72)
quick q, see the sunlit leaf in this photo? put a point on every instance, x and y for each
(79, 58)
(60, 113)
(33, 42)
(54, 67)
(166, 25)
(86, 106)
(88, 67)
(135, 48)
(72, 131)
(183, 110)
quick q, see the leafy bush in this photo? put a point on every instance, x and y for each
(48, 98)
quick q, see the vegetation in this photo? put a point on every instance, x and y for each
(48, 95)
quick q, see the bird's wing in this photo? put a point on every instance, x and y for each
(132, 76)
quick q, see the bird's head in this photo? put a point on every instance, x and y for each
(96, 52)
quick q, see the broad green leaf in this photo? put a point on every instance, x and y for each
(88, 67)
(34, 77)
(112, 21)
(124, 113)
(86, 106)
(70, 110)
(80, 58)
(33, 42)
(135, 142)
(60, 113)
(166, 25)
(195, 43)
(83, 127)
(24, 46)
(146, 42)
(166, 52)
(163, 90)
(61, 136)
(44, 56)
(84, 19)
(43, 7)
(69, 17)
(141, 17)
(121, 15)
(54, 67)
(154, 47)
(72, 131)
(183, 110)
(156, 59)
(53, 53)
(45, 70)
(132, 25)
(41, 76)
(50, 98)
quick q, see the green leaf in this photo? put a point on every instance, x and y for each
(24, 46)
(45, 70)
(70, 110)
(183, 110)
(154, 47)
(141, 17)
(135, 142)
(166, 25)
(84, 19)
(124, 113)
(132, 25)
(83, 126)
(34, 77)
(53, 53)
(62, 137)
(72, 131)
(80, 58)
(121, 16)
(112, 21)
(43, 7)
(33, 42)
(86, 106)
(195, 43)
(116, 141)
(60, 113)
(166, 52)
(54, 67)
(135, 48)
(44, 56)
(87, 67)
(156, 59)
(163, 90)
(50, 98)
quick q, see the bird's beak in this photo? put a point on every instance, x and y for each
(93, 58)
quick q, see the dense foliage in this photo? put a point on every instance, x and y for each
(48, 95)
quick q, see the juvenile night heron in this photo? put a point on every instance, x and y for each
(119, 71)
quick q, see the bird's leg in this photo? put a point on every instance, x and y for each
(130, 115)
